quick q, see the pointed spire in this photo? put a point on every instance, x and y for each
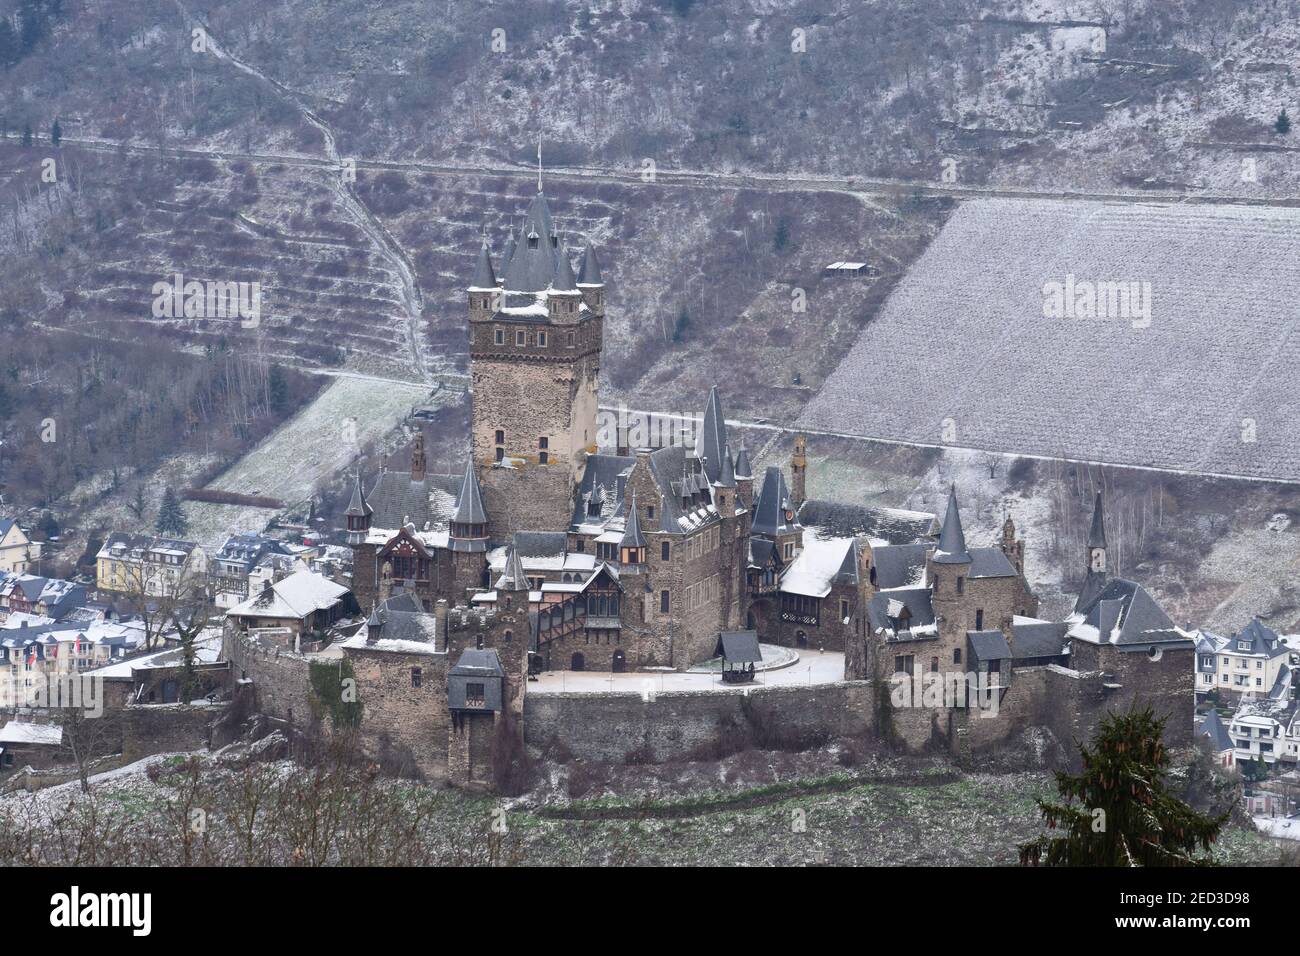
(714, 438)
(358, 506)
(469, 503)
(952, 540)
(632, 528)
(743, 468)
(563, 280)
(513, 577)
(1097, 534)
(589, 273)
(727, 477)
(484, 276)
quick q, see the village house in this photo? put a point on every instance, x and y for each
(232, 567)
(149, 565)
(31, 594)
(1252, 661)
(302, 607)
(17, 551)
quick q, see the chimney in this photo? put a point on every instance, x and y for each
(440, 619)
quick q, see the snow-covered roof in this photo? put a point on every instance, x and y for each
(23, 732)
(296, 596)
(813, 571)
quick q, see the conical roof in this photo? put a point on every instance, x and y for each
(1097, 533)
(564, 280)
(727, 476)
(532, 267)
(714, 437)
(952, 540)
(743, 468)
(484, 276)
(632, 528)
(358, 507)
(513, 577)
(469, 503)
(589, 273)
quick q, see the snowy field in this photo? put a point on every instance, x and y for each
(963, 354)
(312, 446)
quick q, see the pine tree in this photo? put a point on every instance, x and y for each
(27, 134)
(56, 133)
(1283, 124)
(278, 388)
(1117, 812)
(171, 519)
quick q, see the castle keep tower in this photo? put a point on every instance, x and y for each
(535, 341)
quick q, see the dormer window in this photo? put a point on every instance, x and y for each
(532, 240)
(1243, 645)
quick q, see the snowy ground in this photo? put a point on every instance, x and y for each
(311, 447)
(811, 668)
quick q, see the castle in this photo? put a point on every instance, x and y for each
(558, 554)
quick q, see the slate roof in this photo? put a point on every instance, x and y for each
(669, 468)
(1093, 585)
(880, 524)
(532, 267)
(563, 280)
(1039, 639)
(484, 276)
(1124, 613)
(396, 500)
(770, 508)
(743, 468)
(727, 477)
(358, 506)
(916, 600)
(1262, 639)
(632, 537)
(740, 647)
(1097, 533)
(249, 547)
(540, 543)
(713, 436)
(513, 577)
(988, 646)
(1211, 726)
(901, 565)
(990, 563)
(589, 273)
(469, 503)
(5, 525)
(602, 481)
(952, 540)
(401, 618)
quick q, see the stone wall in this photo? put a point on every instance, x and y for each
(168, 728)
(700, 724)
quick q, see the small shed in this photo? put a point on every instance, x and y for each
(846, 269)
(740, 653)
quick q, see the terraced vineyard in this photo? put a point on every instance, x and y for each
(963, 353)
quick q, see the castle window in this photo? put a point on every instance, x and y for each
(664, 550)
(979, 617)
(961, 584)
(416, 676)
(903, 664)
(572, 340)
(934, 665)
(650, 512)
(521, 337)
(501, 437)
(501, 454)
(543, 443)
(956, 655)
(474, 695)
(499, 336)
(663, 602)
(541, 339)
(844, 608)
(508, 636)
(543, 458)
